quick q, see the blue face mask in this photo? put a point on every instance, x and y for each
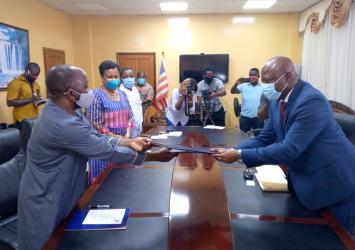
(128, 82)
(270, 92)
(141, 81)
(113, 84)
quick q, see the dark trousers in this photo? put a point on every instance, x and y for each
(218, 117)
(247, 123)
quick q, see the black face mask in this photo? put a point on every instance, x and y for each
(208, 80)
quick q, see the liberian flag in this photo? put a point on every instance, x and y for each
(161, 100)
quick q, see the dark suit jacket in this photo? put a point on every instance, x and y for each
(320, 159)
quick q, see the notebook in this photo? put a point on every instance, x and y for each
(271, 178)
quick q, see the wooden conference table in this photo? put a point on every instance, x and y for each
(194, 202)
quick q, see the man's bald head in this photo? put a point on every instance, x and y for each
(277, 66)
(62, 77)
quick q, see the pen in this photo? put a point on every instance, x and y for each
(98, 206)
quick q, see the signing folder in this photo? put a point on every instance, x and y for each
(183, 149)
(99, 219)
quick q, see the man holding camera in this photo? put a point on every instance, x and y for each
(181, 104)
(209, 91)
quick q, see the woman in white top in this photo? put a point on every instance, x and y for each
(134, 98)
(176, 113)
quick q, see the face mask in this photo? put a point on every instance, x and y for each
(128, 82)
(270, 92)
(85, 99)
(29, 78)
(208, 80)
(141, 81)
(113, 84)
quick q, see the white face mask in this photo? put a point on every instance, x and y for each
(85, 99)
(269, 90)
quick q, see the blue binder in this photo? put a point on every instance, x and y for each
(76, 222)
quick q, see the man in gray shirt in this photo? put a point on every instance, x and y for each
(61, 142)
(209, 91)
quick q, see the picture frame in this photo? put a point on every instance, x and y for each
(14, 53)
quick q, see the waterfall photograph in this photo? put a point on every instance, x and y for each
(14, 53)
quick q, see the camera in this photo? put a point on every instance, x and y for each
(189, 89)
(206, 95)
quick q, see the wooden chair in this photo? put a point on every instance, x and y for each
(153, 118)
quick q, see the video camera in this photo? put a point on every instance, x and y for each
(206, 95)
(189, 89)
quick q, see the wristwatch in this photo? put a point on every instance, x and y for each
(239, 155)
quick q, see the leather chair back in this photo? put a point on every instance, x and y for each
(26, 130)
(347, 124)
(12, 165)
(10, 144)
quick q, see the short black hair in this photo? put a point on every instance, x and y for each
(125, 69)
(105, 65)
(60, 78)
(33, 67)
(207, 68)
(256, 70)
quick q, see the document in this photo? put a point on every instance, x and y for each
(159, 137)
(104, 216)
(213, 127)
(166, 135)
(98, 219)
(183, 149)
(271, 178)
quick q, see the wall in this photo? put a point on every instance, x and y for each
(249, 45)
(88, 40)
(47, 28)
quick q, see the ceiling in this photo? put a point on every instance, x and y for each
(151, 7)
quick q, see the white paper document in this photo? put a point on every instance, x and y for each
(250, 183)
(104, 216)
(159, 137)
(271, 178)
(214, 127)
(175, 133)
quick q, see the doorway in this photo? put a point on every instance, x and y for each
(139, 62)
(52, 57)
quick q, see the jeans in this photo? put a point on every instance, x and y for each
(247, 123)
(218, 118)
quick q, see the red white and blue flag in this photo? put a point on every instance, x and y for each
(161, 100)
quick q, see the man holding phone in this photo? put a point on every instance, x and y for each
(251, 92)
(23, 93)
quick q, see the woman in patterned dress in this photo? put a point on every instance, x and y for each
(110, 112)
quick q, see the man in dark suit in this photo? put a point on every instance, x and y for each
(302, 133)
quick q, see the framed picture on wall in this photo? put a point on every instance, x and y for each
(14, 53)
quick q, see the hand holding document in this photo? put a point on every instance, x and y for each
(271, 178)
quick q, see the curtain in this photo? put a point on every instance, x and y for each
(328, 60)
